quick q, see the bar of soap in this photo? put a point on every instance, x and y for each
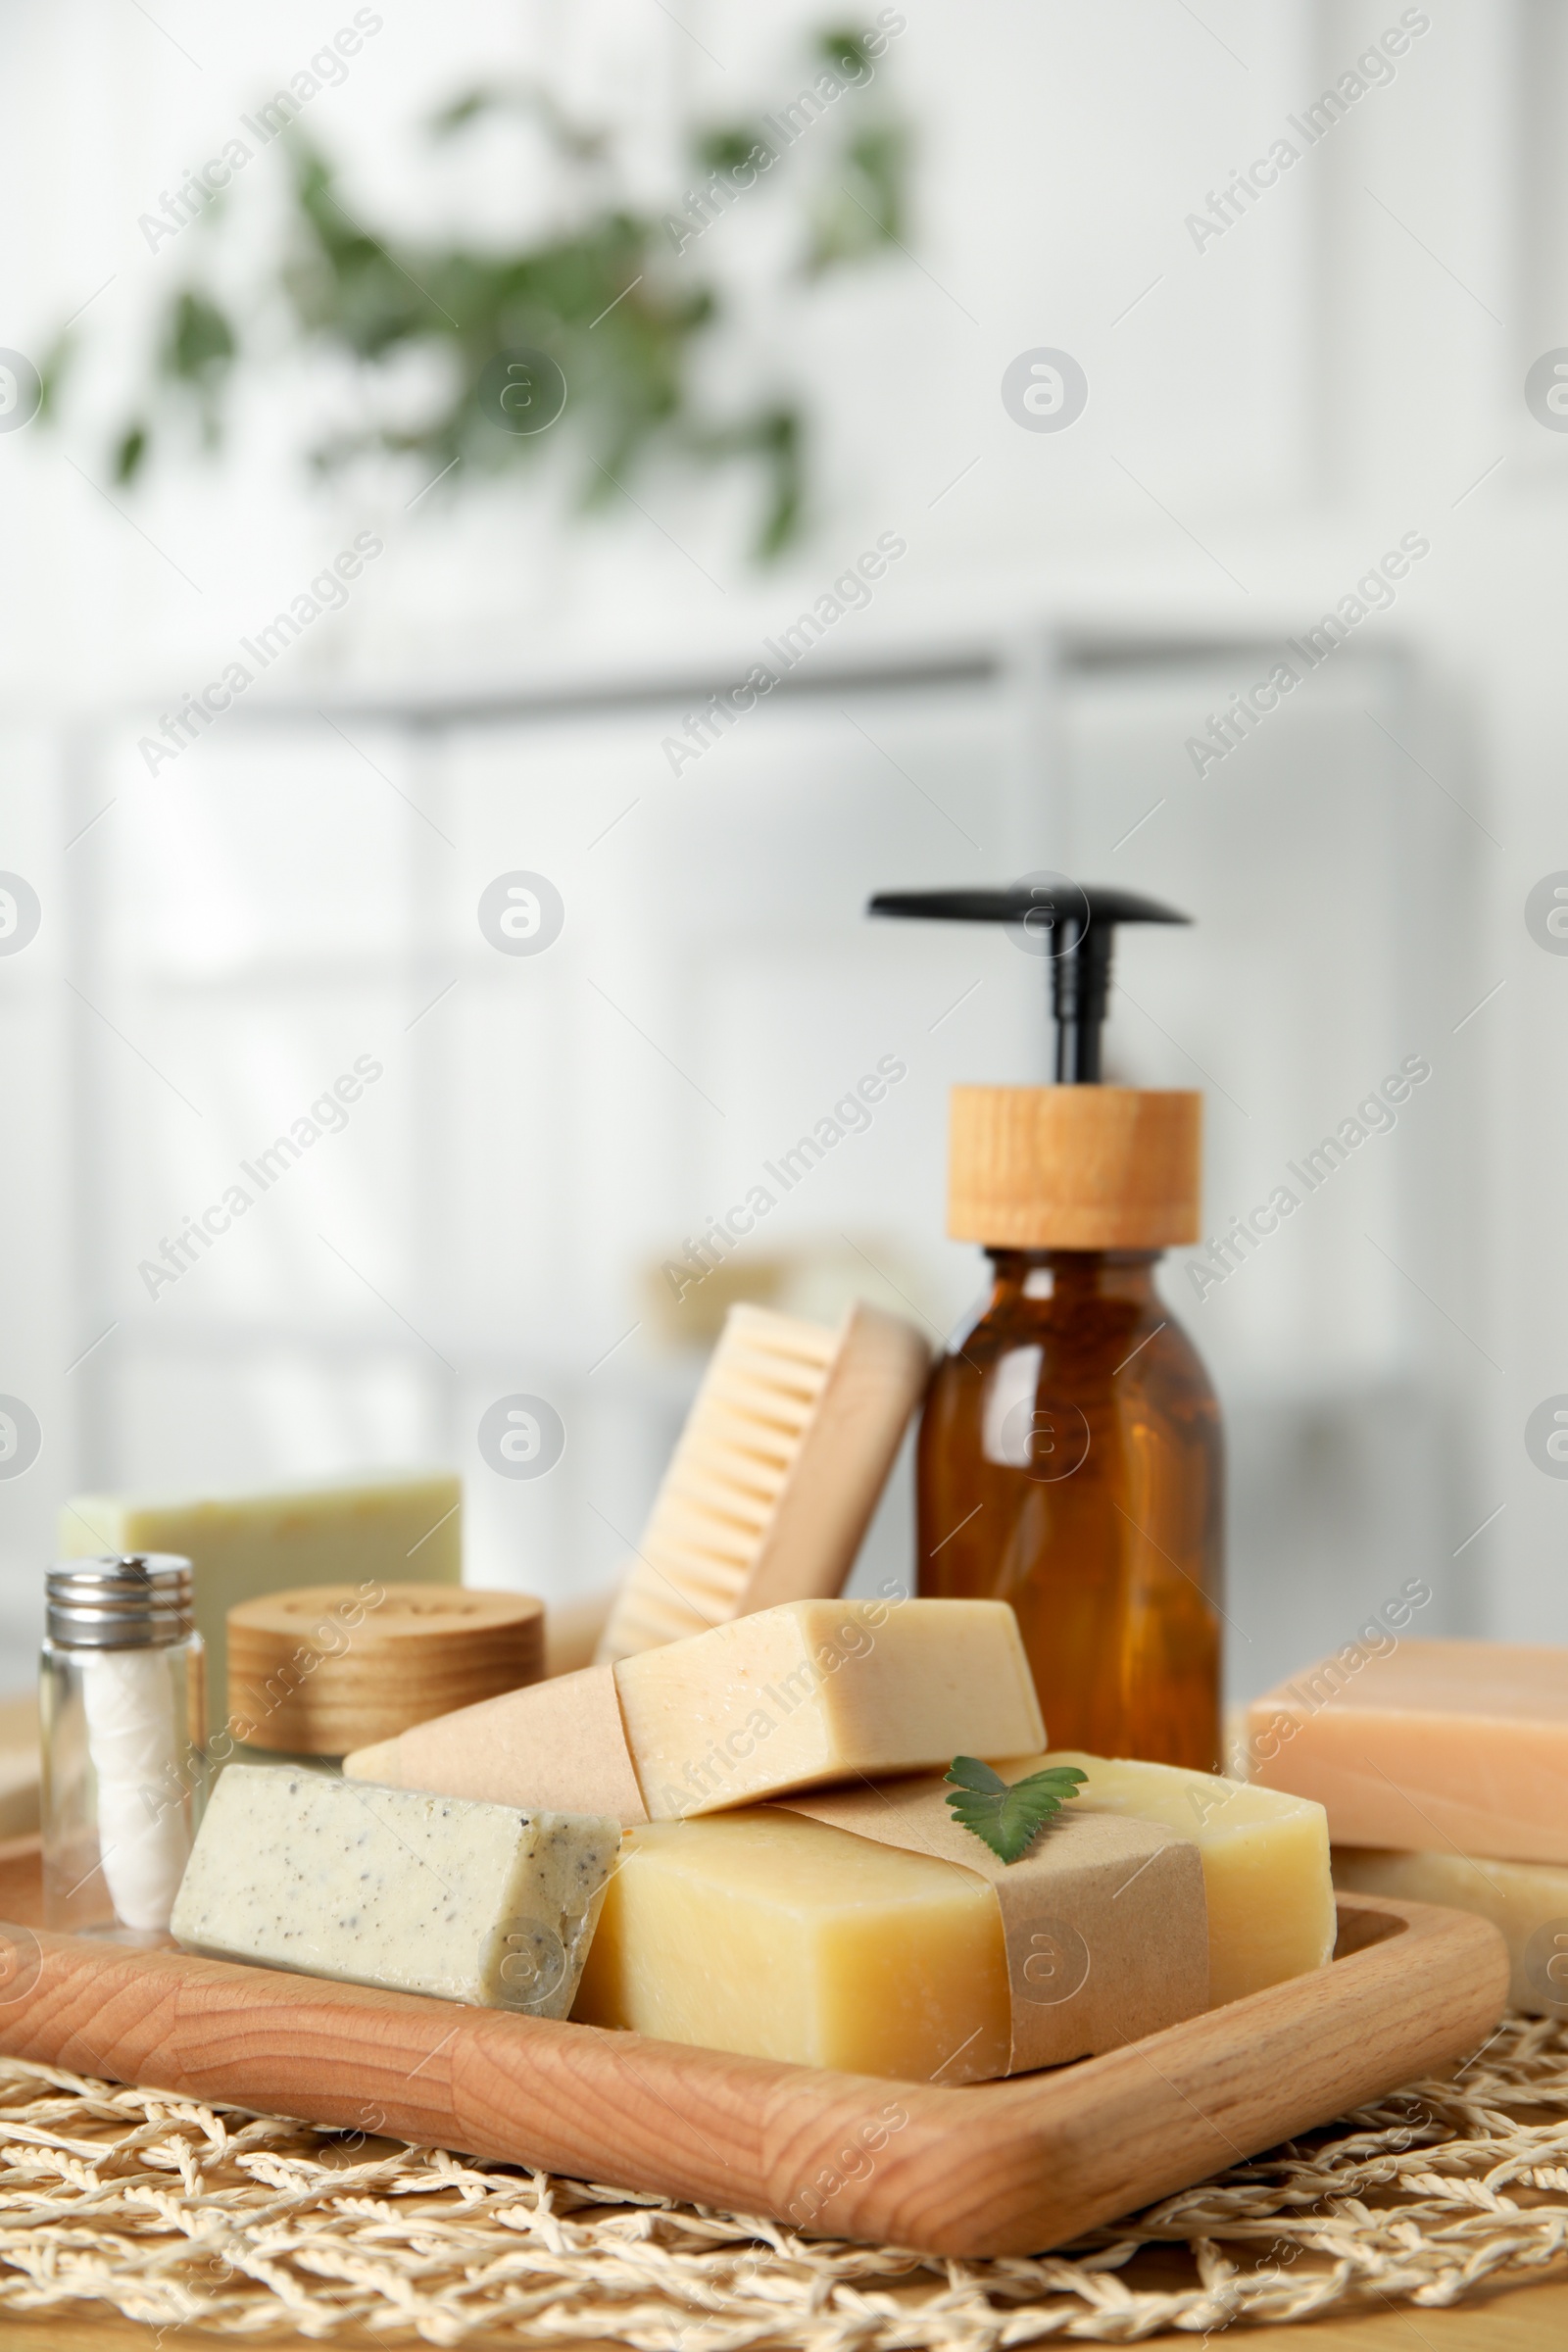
(1527, 1900)
(388, 1531)
(466, 1902)
(1265, 1860)
(18, 1766)
(1457, 1745)
(764, 1933)
(792, 1697)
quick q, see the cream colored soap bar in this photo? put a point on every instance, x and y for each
(387, 1531)
(1456, 1744)
(1265, 1862)
(1527, 1900)
(19, 1765)
(467, 1902)
(767, 1933)
(792, 1697)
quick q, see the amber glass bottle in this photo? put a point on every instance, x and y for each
(1071, 1462)
(1070, 1452)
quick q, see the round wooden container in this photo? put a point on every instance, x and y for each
(1074, 1167)
(324, 1669)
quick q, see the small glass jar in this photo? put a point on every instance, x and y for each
(122, 1707)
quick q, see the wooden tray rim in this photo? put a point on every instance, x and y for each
(984, 2169)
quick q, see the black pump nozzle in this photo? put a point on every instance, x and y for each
(1073, 923)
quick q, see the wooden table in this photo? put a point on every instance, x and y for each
(1525, 2318)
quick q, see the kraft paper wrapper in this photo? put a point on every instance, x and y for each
(1104, 1918)
(556, 1746)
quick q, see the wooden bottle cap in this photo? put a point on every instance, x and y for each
(1074, 1167)
(327, 1668)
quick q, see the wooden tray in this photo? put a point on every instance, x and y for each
(998, 2168)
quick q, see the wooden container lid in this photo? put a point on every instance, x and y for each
(1074, 1167)
(327, 1668)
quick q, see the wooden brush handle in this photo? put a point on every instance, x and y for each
(1004, 2168)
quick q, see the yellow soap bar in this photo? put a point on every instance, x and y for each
(1265, 1860)
(780, 1938)
(1527, 1900)
(376, 1530)
(792, 1697)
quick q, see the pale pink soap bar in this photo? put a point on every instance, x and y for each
(1454, 1744)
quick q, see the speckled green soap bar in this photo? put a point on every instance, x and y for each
(437, 1895)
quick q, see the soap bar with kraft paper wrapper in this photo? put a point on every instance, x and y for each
(863, 1930)
(792, 1697)
(1265, 1860)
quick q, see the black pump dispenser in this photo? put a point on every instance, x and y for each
(1073, 924)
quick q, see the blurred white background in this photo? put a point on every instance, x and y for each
(1343, 367)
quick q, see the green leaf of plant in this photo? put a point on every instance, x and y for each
(1008, 1819)
(846, 51)
(198, 339)
(460, 112)
(594, 282)
(129, 453)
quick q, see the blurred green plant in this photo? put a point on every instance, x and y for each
(611, 298)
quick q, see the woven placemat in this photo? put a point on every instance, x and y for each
(176, 2214)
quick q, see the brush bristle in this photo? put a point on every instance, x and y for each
(722, 1492)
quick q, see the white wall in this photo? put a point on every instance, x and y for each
(1343, 367)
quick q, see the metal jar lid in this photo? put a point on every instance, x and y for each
(123, 1601)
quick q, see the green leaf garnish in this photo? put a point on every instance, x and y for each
(1008, 1819)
